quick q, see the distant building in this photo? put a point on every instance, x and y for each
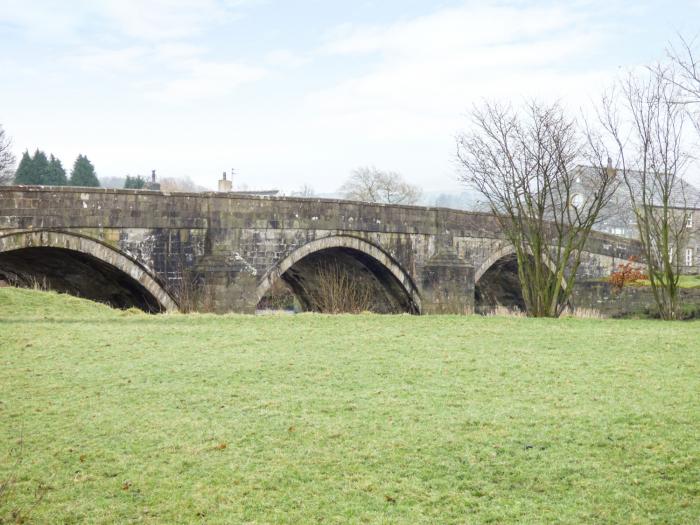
(152, 184)
(226, 186)
(618, 218)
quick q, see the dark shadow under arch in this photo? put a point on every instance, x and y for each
(499, 286)
(364, 265)
(75, 273)
(80, 266)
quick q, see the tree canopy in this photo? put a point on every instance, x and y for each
(25, 173)
(55, 174)
(83, 173)
(40, 170)
(135, 183)
(372, 185)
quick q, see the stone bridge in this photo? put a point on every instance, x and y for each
(223, 252)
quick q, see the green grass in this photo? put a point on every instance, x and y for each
(124, 417)
(684, 281)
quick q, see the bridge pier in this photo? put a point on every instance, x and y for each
(447, 285)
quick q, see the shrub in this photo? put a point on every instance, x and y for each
(625, 274)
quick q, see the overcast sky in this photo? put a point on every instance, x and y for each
(293, 92)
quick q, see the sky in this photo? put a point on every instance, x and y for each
(301, 92)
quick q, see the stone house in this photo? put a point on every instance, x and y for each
(617, 218)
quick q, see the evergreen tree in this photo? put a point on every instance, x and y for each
(56, 175)
(134, 183)
(83, 173)
(25, 173)
(40, 164)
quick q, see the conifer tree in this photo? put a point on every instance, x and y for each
(135, 183)
(83, 173)
(26, 172)
(40, 167)
(56, 175)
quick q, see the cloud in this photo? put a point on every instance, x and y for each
(286, 59)
(124, 60)
(450, 30)
(153, 48)
(157, 20)
(113, 20)
(428, 70)
(169, 73)
(202, 79)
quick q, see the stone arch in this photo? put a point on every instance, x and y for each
(389, 266)
(89, 251)
(499, 254)
(496, 282)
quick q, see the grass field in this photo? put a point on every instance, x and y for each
(120, 417)
(684, 281)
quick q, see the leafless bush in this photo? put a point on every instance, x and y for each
(582, 313)
(39, 284)
(193, 294)
(32, 282)
(279, 297)
(504, 311)
(339, 291)
(186, 291)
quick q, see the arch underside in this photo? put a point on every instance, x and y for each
(318, 274)
(499, 286)
(498, 283)
(82, 267)
(323, 270)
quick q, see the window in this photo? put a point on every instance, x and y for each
(689, 219)
(689, 257)
(577, 201)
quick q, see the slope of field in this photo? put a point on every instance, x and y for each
(116, 417)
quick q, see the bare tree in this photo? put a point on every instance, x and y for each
(523, 162)
(686, 61)
(372, 185)
(175, 184)
(644, 119)
(7, 158)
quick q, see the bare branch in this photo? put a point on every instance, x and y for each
(646, 124)
(7, 159)
(524, 163)
(372, 185)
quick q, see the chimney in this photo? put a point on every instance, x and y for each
(609, 169)
(225, 185)
(153, 185)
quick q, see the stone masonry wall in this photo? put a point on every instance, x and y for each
(232, 241)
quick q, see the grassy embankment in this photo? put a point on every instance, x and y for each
(123, 417)
(684, 281)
